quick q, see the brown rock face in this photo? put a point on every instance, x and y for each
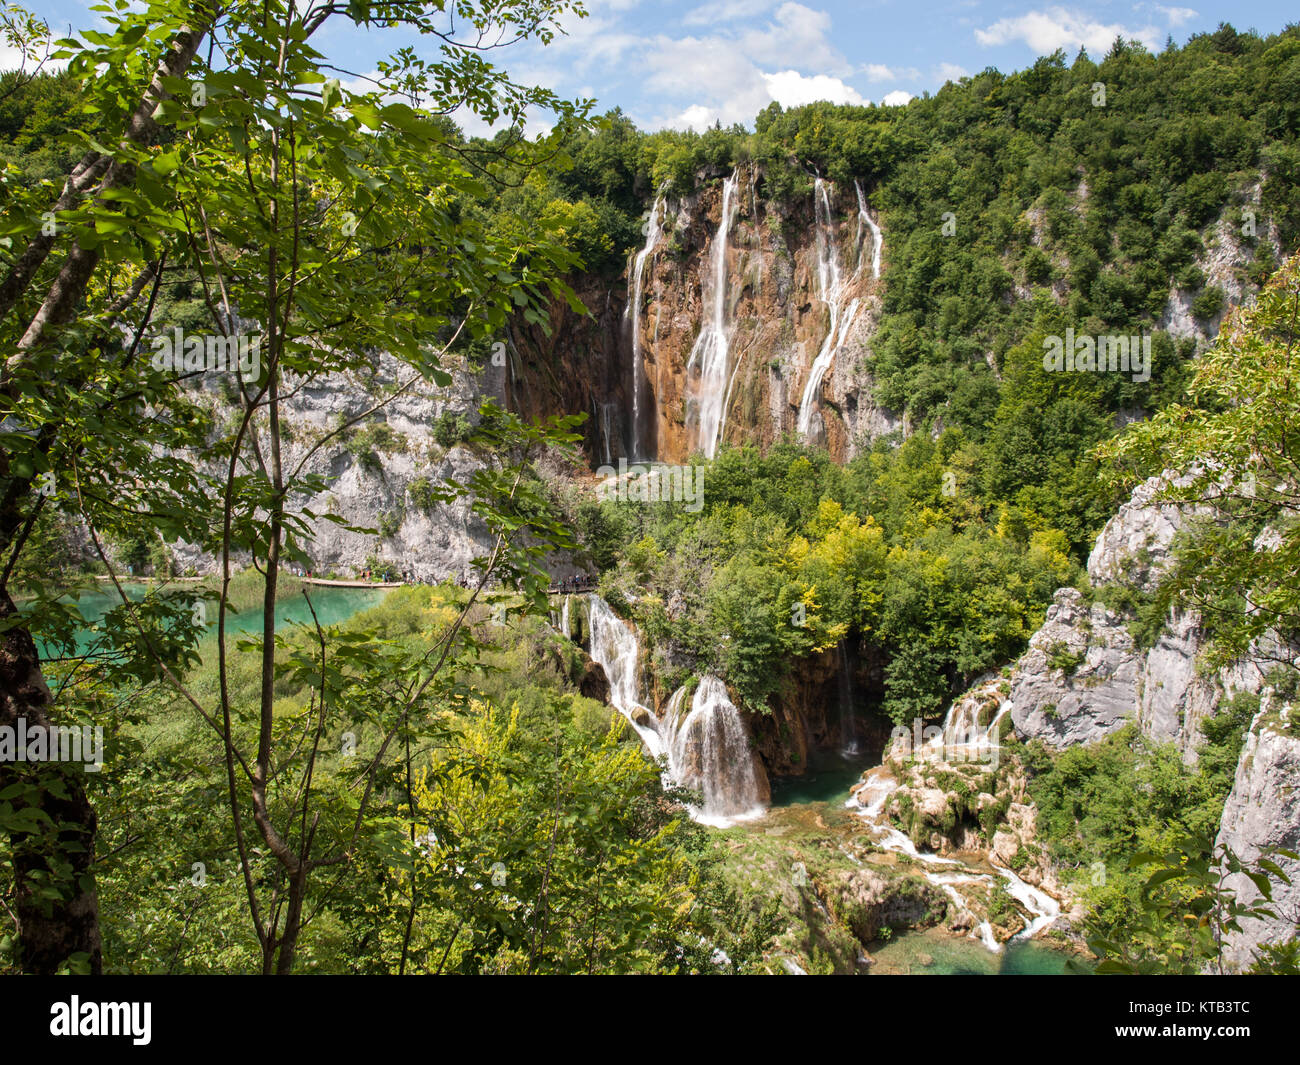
(593, 683)
(775, 318)
(806, 716)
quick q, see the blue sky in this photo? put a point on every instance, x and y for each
(691, 62)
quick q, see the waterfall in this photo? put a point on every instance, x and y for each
(962, 734)
(707, 748)
(710, 753)
(848, 731)
(606, 412)
(870, 798)
(706, 369)
(654, 229)
(830, 290)
(877, 240)
(614, 646)
(564, 617)
(1044, 908)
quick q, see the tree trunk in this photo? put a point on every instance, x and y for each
(50, 931)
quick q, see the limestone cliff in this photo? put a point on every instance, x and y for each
(1083, 676)
(1263, 813)
(373, 479)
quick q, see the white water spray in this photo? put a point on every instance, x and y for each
(614, 646)
(710, 753)
(830, 290)
(877, 238)
(706, 369)
(654, 229)
(707, 748)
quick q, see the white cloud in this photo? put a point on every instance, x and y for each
(789, 88)
(710, 73)
(1177, 15)
(881, 72)
(797, 31)
(897, 98)
(11, 58)
(950, 72)
(728, 76)
(1057, 27)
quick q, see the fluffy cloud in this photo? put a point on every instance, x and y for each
(950, 72)
(1176, 16)
(792, 89)
(881, 72)
(896, 98)
(1057, 27)
(728, 76)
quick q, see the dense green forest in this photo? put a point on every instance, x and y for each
(425, 788)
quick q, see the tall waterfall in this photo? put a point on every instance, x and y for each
(654, 229)
(606, 431)
(848, 730)
(707, 749)
(877, 239)
(614, 646)
(710, 753)
(830, 290)
(706, 369)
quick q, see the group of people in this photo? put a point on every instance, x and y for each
(582, 582)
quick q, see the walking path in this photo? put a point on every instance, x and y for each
(352, 584)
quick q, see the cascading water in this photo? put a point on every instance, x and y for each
(706, 369)
(848, 730)
(831, 292)
(877, 239)
(1044, 908)
(564, 617)
(870, 800)
(614, 646)
(707, 748)
(654, 229)
(606, 430)
(710, 753)
(962, 734)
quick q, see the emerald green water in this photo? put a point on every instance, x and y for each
(333, 606)
(828, 779)
(935, 954)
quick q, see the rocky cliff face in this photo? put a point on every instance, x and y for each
(767, 281)
(824, 706)
(1228, 249)
(370, 485)
(1263, 813)
(1082, 676)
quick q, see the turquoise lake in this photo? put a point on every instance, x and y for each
(333, 606)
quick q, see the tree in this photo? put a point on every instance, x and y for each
(1234, 458)
(325, 222)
